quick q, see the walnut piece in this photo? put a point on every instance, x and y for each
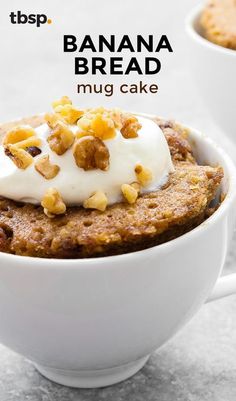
(129, 193)
(143, 174)
(29, 142)
(136, 186)
(60, 139)
(52, 203)
(103, 123)
(19, 156)
(103, 127)
(45, 168)
(18, 134)
(52, 119)
(61, 102)
(97, 201)
(69, 113)
(91, 153)
(80, 134)
(97, 124)
(130, 126)
(84, 123)
(116, 116)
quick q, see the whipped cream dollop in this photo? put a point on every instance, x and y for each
(75, 184)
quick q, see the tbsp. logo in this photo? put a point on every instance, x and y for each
(20, 18)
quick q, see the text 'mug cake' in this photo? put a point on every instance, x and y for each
(79, 183)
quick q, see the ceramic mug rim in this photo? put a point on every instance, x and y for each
(197, 37)
(165, 247)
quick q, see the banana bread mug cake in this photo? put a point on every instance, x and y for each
(218, 21)
(85, 183)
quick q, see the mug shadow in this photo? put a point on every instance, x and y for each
(167, 376)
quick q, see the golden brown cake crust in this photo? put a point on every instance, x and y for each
(218, 21)
(155, 218)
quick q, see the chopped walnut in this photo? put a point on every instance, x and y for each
(97, 124)
(116, 116)
(81, 134)
(45, 168)
(129, 193)
(19, 156)
(52, 119)
(60, 139)
(103, 123)
(97, 201)
(69, 113)
(61, 102)
(103, 127)
(91, 153)
(130, 126)
(29, 142)
(52, 203)
(143, 174)
(84, 123)
(18, 134)
(97, 110)
(136, 186)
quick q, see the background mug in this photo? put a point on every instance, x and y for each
(214, 68)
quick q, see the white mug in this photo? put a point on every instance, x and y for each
(214, 68)
(94, 322)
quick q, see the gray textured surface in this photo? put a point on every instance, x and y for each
(199, 364)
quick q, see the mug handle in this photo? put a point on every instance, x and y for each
(224, 287)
